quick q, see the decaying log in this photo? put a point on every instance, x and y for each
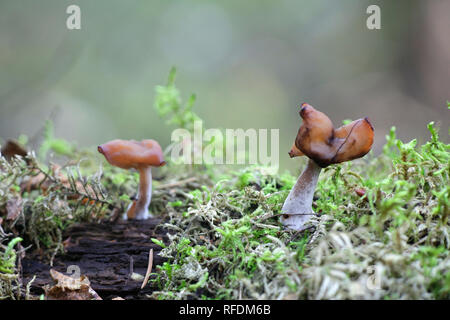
(103, 253)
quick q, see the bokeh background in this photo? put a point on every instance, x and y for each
(251, 63)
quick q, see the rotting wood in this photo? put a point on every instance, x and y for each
(103, 252)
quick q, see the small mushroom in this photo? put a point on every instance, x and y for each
(142, 156)
(323, 145)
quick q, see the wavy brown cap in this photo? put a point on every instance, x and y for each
(319, 141)
(127, 154)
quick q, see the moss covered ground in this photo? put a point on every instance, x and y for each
(381, 231)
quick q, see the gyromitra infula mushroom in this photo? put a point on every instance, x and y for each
(142, 156)
(323, 145)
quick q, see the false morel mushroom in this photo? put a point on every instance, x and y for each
(142, 156)
(323, 145)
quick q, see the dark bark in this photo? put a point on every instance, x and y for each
(103, 253)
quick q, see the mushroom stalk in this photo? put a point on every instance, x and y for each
(145, 193)
(297, 209)
(140, 206)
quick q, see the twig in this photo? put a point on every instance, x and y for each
(291, 214)
(131, 266)
(176, 184)
(263, 226)
(149, 269)
(28, 288)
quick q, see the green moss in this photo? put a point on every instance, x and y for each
(399, 228)
(390, 240)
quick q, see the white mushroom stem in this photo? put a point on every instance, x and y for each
(297, 209)
(144, 195)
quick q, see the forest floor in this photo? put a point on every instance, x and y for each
(381, 228)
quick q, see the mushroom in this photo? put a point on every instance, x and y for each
(323, 145)
(142, 156)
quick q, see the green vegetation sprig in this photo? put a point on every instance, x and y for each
(168, 105)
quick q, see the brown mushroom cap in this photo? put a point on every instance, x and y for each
(295, 152)
(127, 154)
(319, 141)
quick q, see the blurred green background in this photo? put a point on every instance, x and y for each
(251, 63)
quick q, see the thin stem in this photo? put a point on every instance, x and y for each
(69, 191)
(144, 193)
(176, 184)
(297, 209)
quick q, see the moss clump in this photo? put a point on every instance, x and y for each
(389, 240)
(381, 230)
(38, 202)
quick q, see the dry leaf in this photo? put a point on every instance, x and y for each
(13, 208)
(13, 148)
(70, 288)
(33, 182)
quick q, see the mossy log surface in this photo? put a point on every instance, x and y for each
(107, 254)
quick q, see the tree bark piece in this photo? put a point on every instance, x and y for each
(102, 252)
